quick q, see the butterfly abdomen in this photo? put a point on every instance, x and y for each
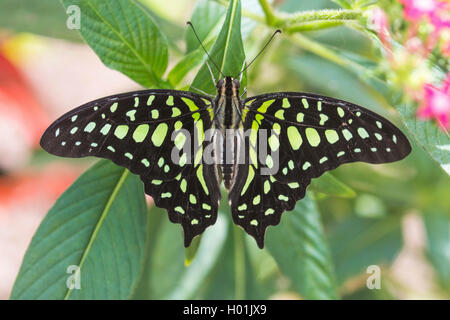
(227, 119)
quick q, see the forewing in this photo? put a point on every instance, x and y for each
(306, 135)
(134, 130)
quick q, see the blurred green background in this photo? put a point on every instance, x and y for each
(398, 217)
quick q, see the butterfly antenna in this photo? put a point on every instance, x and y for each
(204, 49)
(262, 50)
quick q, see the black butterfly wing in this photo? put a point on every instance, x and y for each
(311, 134)
(142, 131)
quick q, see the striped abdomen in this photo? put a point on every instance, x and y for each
(227, 120)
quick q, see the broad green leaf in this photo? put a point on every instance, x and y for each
(125, 38)
(43, 17)
(363, 293)
(212, 242)
(432, 139)
(347, 42)
(187, 63)
(206, 19)
(329, 185)
(227, 52)
(173, 31)
(264, 272)
(299, 247)
(164, 264)
(231, 277)
(346, 4)
(369, 206)
(191, 251)
(165, 273)
(357, 243)
(295, 5)
(438, 247)
(97, 225)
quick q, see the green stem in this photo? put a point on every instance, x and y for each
(314, 25)
(239, 264)
(269, 12)
(244, 12)
(319, 15)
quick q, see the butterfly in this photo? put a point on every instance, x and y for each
(163, 136)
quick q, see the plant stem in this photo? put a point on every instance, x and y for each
(245, 13)
(239, 264)
(314, 25)
(318, 15)
(269, 12)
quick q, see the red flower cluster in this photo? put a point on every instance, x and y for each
(436, 104)
(434, 100)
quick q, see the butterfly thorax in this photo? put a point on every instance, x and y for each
(227, 119)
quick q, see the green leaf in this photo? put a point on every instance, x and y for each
(206, 19)
(295, 5)
(187, 63)
(212, 242)
(43, 17)
(299, 247)
(165, 274)
(173, 31)
(346, 4)
(357, 243)
(227, 52)
(231, 277)
(329, 185)
(432, 139)
(98, 224)
(125, 38)
(438, 249)
(191, 251)
(164, 264)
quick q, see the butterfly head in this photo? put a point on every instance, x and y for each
(228, 86)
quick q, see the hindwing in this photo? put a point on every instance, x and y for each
(307, 135)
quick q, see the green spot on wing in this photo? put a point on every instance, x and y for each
(89, 127)
(331, 136)
(105, 129)
(363, 133)
(295, 139)
(202, 179)
(140, 133)
(113, 107)
(313, 137)
(250, 176)
(159, 134)
(265, 105)
(121, 131)
(191, 104)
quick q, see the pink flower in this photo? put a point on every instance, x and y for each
(446, 49)
(441, 18)
(436, 104)
(416, 9)
(379, 22)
